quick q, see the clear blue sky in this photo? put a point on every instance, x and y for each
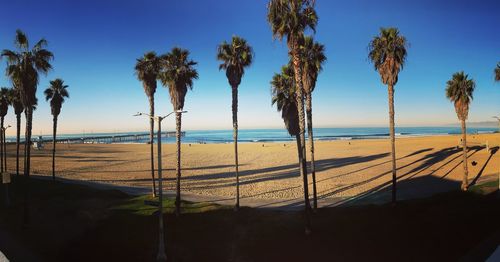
(96, 42)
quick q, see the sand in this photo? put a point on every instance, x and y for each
(344, 169)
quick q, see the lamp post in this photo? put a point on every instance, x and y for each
(4, 147)
(5, 174)
(162, 256)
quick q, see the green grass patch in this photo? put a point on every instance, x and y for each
(138, 205)
(485, 188)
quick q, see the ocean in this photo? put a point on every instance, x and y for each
(281, 135)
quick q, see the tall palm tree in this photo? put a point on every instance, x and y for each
(177, 74)
(283, 90)
(459, 90)
(387, 52)
(290, 18)
(18, 110)
(235, 56)
(23, 68)
(57, 92)
(313, 57)
(147, 69)
(497, 73)
(4, 107)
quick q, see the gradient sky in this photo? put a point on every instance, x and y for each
(96, 43)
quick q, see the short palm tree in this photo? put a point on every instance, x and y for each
(23, 68)
(387, 52)
(18, 110)
(290, 18)
(313, 57)
(177, 74)
(235, 56)
(57, 92)
(497, 73)
(147, 69)
(283, 95)
(4, 108)
(459, 91)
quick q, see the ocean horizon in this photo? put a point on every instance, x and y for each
(281, 135)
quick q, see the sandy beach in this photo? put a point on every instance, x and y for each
(345, 169)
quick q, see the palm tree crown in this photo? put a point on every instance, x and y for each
(387, 52)
(459, 91)
(24, 65)
(4, 101)
(313, 57)
(283, 95)
(235, 56)
(15, 100)
(291, 18)
(178, 74)
(497, 73)
(56, 93)
(147, 69)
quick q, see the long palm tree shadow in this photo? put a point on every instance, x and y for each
(279, 172)
(384, 187)
(372, 166)
(287, 171)
(453, 168)
(474, 181)
(321, 165)
(428, 159)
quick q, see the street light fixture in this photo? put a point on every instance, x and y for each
(162, 256)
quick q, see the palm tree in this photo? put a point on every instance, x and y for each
(283, 90)
(283, 95)
(313, 57)
(459, 91)
(4, 107)
(235, 56)
(177, 74)
(18, 110)
(497, 73)
(147, 69)
(290, 18)
(23, 68)
(57, 92)
(387, 52)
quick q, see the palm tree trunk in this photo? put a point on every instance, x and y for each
(29, 121)
(151, 139)
(311, 146)
(300, 108)
(5, 150)
(1, 143)
(54, 132)
(393, 141)
(235, 137)
(300, 154)
(25, 141)
(178, 167)
(18, 138)
(27, 148)
(465, 183)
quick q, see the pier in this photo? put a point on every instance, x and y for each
(108, 139)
